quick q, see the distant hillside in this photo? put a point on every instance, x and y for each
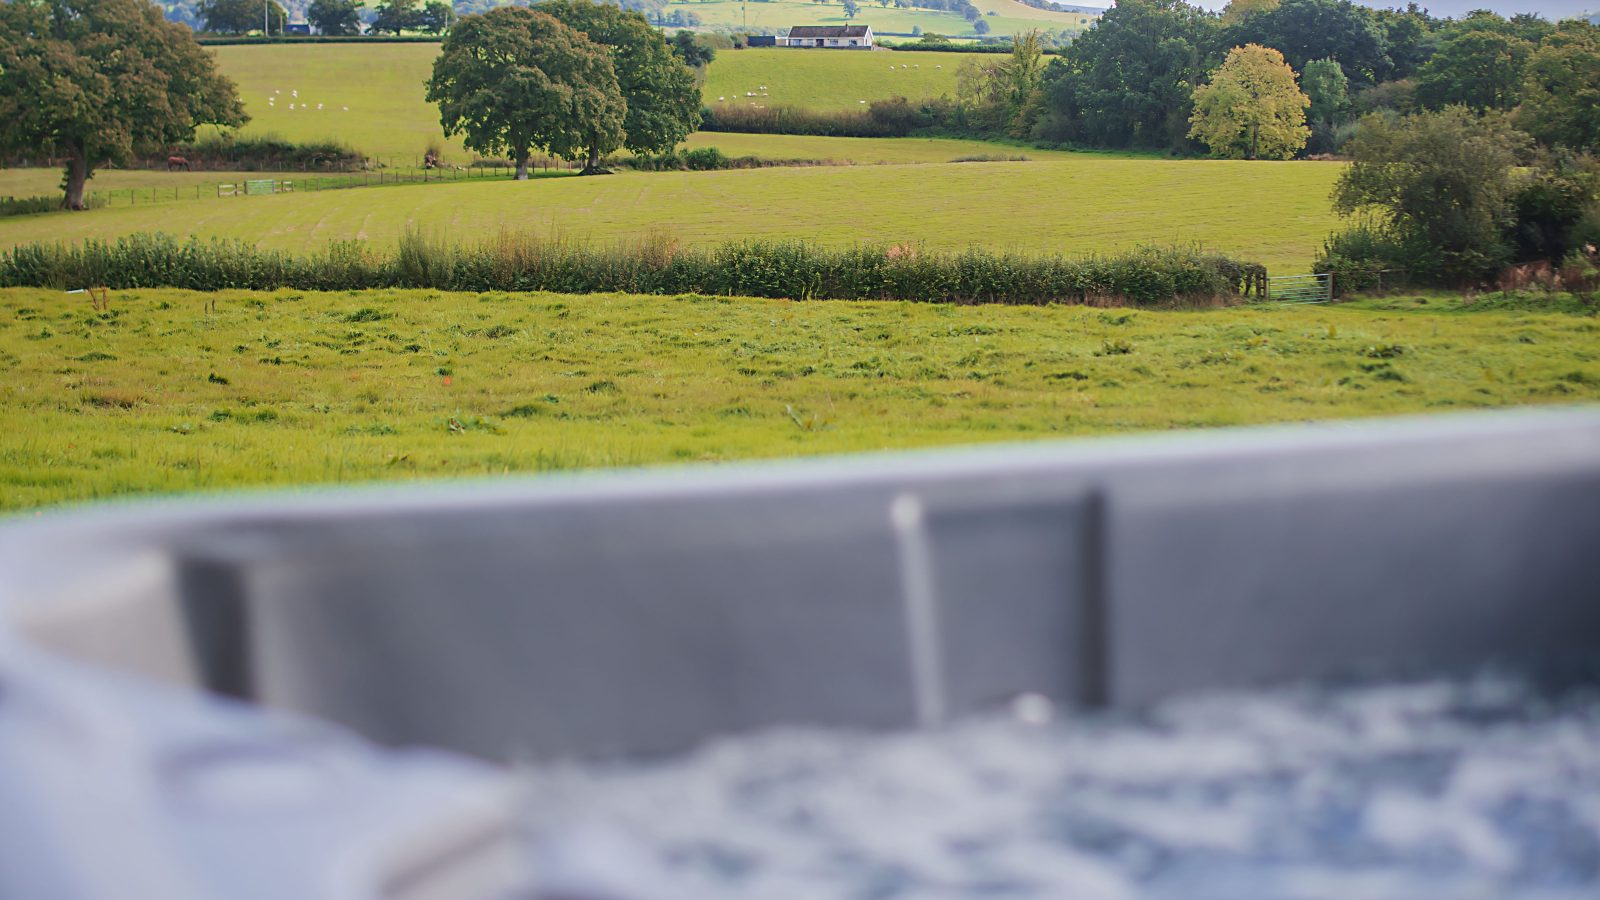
(1553, 10)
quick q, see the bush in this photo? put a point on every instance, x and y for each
(653, 265)
(27, 206)
(267, 152)
(796, 120)
(1364, 257)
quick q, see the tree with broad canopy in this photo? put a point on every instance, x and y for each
(514, 78)
(98, 81)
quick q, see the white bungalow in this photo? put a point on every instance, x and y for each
(840, 37)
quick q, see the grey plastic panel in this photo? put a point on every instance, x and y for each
(641, 612)
(1315, 565)
(519, 633)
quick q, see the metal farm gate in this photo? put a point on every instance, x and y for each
(1300, 288)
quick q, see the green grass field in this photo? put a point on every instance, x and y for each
(828, 79)
(381, 84)
(1010, 17)
(1276, 213)
(160, 395)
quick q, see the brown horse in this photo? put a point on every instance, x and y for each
(174, 163)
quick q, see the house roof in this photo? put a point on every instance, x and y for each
(829, 31)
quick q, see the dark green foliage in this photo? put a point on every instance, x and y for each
(239, 16)
(1320, 29)
(1364, 257)
(1549, 203)
(26, 206)
(694, 54)
(335, 17)
(267, 152)
(1561, 91)
(663, 101)
(1127, 82)
(435, 18)
(395, 16)
(91, 81)
(790, 269)
(802, 120)
(513, 79)
(1479, 69)
(1441, 184)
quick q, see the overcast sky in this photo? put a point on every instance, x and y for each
(1550, 9)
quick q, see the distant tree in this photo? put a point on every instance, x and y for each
(513, 79)
(338, 17)
(850, 9)
(1304, 30)
(692, 52)
(240, 16)
(1328, 90)
(395, 16)
(663, 101)
(1408, 38)
(916, 31)
(980, 27)
(1238, 11)
(1127, 81)
(96, 81)
(1481, 69)
(1251, 108)
(435, 17)
(1441, 183)
(1561, 92)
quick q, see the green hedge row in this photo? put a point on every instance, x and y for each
(221, 40)
(653, 265)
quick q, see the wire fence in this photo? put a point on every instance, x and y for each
(244, 186)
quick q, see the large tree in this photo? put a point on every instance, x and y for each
(1251, 108)
(94, 81)
(662, 97)
(395, 16)
(338, 17)
(513, 79)
(1561, 93)
(1127, 81)
(240, 16)
(1442, 185)
(1320, 29)
(1478, 68)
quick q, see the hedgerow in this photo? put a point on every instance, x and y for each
(652, 265)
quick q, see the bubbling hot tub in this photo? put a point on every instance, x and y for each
(168, 672)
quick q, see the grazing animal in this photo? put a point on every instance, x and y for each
(174, 163)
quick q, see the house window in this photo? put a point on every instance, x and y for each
(852, 43)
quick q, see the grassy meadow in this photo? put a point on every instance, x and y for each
(1009, 16)
(382, 86)
(1275, 213)
(827, 80)
(162, 394)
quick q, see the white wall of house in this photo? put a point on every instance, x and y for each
(862, 43)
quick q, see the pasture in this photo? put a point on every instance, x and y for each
(1276, 213)
(161, 394)
(382, 86)
(1009, 16)
(827, 80)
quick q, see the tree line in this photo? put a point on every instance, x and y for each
(573, 78)
(1136, 79)
(94, 82)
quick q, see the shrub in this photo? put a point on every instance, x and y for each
(652, 265)
(269, 151)
(1364, 257)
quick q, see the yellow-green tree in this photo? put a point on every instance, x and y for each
(1240, 10)
(1252, 108)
